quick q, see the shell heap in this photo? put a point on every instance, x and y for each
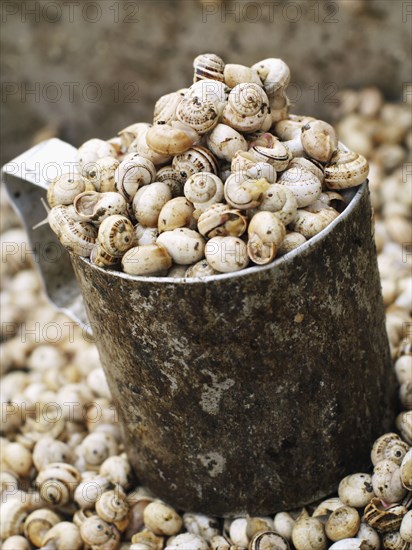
(224, 178)
(66, 481)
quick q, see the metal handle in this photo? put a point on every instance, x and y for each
(26, 179)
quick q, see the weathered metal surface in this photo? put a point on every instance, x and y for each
(256, 391)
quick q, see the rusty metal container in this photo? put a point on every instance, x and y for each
(249, 392)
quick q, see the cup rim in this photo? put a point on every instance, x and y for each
(354, 194)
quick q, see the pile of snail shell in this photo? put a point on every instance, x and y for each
(224, 178)
(67, 483)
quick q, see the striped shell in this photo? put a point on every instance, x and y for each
(219, 220)
(133, 172)
(383, 519)
(101, 258)
(203, 189)
(172, 177)
(345, 169)
(247, 108)
(195, 159)
(165, 108)
(389, 446)
(277, 155)
(77, 237)
(202, 116)
(312, 165)
(95, 207)
(57, 483)
(97, 533)
(65, 188)
(116, 235)
(208, 65)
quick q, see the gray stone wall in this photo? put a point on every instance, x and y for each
(81, 69)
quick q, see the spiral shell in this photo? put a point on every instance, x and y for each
(345, 169)
(175, 213)
(96, 447)
(280, 200)
(162, 519)
(304, 185)
(224, 142)
(310, 224)
(165, 108)
(102, 175)
(319, 140)
(247, 108)
(199, 269)
(309, 533)
(384, 518)
(113, 508)
(64, 535)
(386, 481)
(48, 450)
(75, 236)
(141, 147)
(172, 177)
(394, 541)
(219, 220)
(203, 189)
(116, 235)
(92, 150)
(57, 483)
(342, 523)
(65, 188)
(185, 246)
(406, 470)
(13, 515)
(133, 172)
(90, 490)
(149, 259)
(95, 207)
(404, 425)
(101, 258)
(274, 73)
(210, 90)
(16, 542)
(268, 539)
(266, 233)
(238, 74)
(356, 490)
(99, 534)
(311, 165)
(389, 446)
(244, 164)
(244, 194)
(226, 254)
(202, 116)
(196, 159)
(277, 155)
(208, 65)
(166, 139)
(38, 523)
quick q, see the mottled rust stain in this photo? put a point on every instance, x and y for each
(252, 394)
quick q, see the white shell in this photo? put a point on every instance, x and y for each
(92, 150)
(148, 259)
(406, 527)
(244, 194)
(165, 108)
(187, 541)
(319, 140)
(237, 74)
(196, 159)
(116, 235)
(386, 481)
(102, 176)
(175, 213)
(200, 269)
(277, 155)
(202, 116)
(210, 90)
(274, 73)
(65, 188)
(304, 185)
(185, 246)
(145, 235)
(219, 220)
(149, 201)
(203, 189)
(280, 200)
(406, 470)
(266, 233)
(226, 254)
(208, 65)
(310, 224)
(309, 534)
(224, 141)
(356, 490)
(96, 207)
(342, 523)
(133, 172)
(162, 519)
(247, 108)
(345, 169)
(140, 146)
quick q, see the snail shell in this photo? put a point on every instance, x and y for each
(245, 164)
(283, 524)
(149, 201)
(350, 544)
(117, 470)
(256, 525)
(146, 540)
(102, 176)
(64, 535)
(96, 207)
(172, 177)
(311, 165)
(96, 447)
(13, 515)
(280, 200)
(244, 194)
(389, 446)
(175, 213)
(342, 523)
(266, 233)
(326, 507)
(386, 481)
(238, 74)
(221, 221)
(101, 258)
(148, 259)
(38, 523)
(116, 235)
(89, 491)
(304, 185)
(310, 224)
(202, 116)
(130, 133)
(247, 108)
(384, 518)
(199, 269)
(203, 189)
(196, 159)
(356, 490)
(210, 90)
(48, 450)
(319, 140)
(99, 534)
(77, 237)
(162, 519)
(65, 188)
(145, 235)
(177, 271)
(165, 108)
(274, 73)
(92, 150)
(133, 172)
(277, 155)
(279, 107)
(113, 508)
(345, 169)
(16, 542)
(394, 541)
(166, 139)
(406, 470)
(187, 541)
(369, 536)
(208, 65)
(18, 458)
(406, 527)
(57, 483)
(237, 532)
(185, 246)
(226, 254)
(224, 142)
(309, 534)
(268, 539)
(404, 425)
(141, 147)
